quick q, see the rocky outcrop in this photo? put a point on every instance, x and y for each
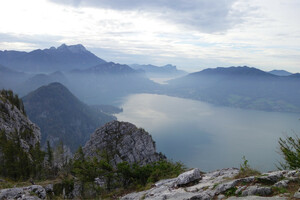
(14, 121)
(222, 184)
(124, 142)
(33, 192)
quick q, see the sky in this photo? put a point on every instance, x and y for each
(191, 34)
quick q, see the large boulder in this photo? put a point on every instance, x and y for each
(123, 141)
(188, 177)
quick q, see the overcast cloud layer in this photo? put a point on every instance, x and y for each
(202, 15)
(190, 34)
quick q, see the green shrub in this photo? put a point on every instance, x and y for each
(230, 192)
(290, 150)
(124, 176)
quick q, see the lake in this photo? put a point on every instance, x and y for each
(207, 136)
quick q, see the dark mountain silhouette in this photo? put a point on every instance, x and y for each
(242, 87)
(61, 116)
(63, 58)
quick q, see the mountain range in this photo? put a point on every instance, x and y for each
(63, 58)
(241, 87)
(108, 82)
(95, 81)
(156, 71)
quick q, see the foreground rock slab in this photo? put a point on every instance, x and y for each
(257, 198)
(220, 184)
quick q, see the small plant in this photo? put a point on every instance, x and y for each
(279, 190)
(246, 170)
(215, 185)
(230, 192)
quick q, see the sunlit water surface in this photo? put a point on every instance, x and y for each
(210, 137)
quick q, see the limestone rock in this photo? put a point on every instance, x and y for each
(37, 189)
(271, 177)
(187, 177)
(256, 190)
(12, 120)
(282, 183)
(49, 188)
(30, 192)
(257, 198)
(216, 185)
(297, 194)
(124, 141)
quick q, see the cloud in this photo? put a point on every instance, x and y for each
(208, 16)
(27, 42)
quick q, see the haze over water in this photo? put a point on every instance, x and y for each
(210, 137)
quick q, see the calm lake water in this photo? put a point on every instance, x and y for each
(210, 137)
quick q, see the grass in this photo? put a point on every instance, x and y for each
(10, 184)
(246, 170)
(279, 190)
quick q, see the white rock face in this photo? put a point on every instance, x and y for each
(24, 193)
(219, 185)
(13, 120)
(123, 140)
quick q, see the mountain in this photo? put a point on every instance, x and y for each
(10, 79)
(63, 58)
(61, 116)
(152, 70)
(233, 72)
(280, 72)
(108, 82)
(241, 87)
(38, 80)
(109, 68)
(296, 75)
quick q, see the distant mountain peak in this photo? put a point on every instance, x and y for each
(63, 58)
(78, 48)
(168, 69)
(280, 72)
(169, 66)
(239, 70)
